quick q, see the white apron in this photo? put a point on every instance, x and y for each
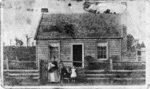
(73, 73)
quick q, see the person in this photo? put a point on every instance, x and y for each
(65, 73)
(53, 75)
(73, 74)
(56, 70)
(51, 72)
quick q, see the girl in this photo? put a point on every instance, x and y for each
(73, 74)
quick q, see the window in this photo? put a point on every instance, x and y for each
(54, 50)
(139, 53)
(102, 51)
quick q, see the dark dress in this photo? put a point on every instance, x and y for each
(65, 74)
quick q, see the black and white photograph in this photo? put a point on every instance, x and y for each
(75, 44)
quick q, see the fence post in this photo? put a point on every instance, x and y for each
(111, 64)
(7, 64)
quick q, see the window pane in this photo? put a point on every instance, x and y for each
(138, 52)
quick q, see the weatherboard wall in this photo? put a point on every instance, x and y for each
(90, 48)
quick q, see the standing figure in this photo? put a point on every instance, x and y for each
(51, 72)
(56, 71)
(73, 74)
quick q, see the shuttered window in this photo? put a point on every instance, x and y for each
(102, 51)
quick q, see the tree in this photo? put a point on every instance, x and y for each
(130, 42)
(18, 42)
(142, 45)
(27, 39)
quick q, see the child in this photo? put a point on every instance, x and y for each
(73, 74)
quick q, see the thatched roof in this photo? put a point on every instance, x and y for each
(85, 25)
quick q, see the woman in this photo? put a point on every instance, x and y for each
(51, 74)
(56, 70)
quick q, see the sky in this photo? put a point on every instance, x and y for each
(21, 17)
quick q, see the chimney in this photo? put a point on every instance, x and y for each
(44, 10)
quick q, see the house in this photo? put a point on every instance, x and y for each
(72, 37)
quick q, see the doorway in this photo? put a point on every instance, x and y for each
(77, 55)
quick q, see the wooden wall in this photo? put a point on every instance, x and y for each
(90, 48)
(114, 47)
(66, 48)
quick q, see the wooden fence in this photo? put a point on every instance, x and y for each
(20, 65)
(111, 65)
(114, 70)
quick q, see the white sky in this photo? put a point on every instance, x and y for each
(17, 21)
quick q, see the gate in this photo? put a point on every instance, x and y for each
(43, 71)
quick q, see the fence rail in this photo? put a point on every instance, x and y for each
(20, 65)
(32, 65)
(113, 65)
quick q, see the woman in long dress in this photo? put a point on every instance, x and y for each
(56, 70)
(54, 76)
(51, 74)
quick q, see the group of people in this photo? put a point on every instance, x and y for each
(57, 72)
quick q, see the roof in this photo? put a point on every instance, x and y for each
(81, 25)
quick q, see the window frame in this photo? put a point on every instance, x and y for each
(102, 44)
(82, 52)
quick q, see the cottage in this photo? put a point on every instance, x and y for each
(72, 37)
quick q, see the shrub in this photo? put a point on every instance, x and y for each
(115, 58)
(89, 61)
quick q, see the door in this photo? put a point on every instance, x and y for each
(77, 55)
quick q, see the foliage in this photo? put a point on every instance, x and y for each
(115, 58)
(130, 42)
(16, 55)
(22, 65)
(21, 53)
(89, 60)
(128, 66)
(94, 64)
(27, 39)
(142, 44)
(19, 42)
(11, 81)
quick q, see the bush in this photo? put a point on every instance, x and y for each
(128, 66)
(92, 63)
(89, 61)
(115, 58)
